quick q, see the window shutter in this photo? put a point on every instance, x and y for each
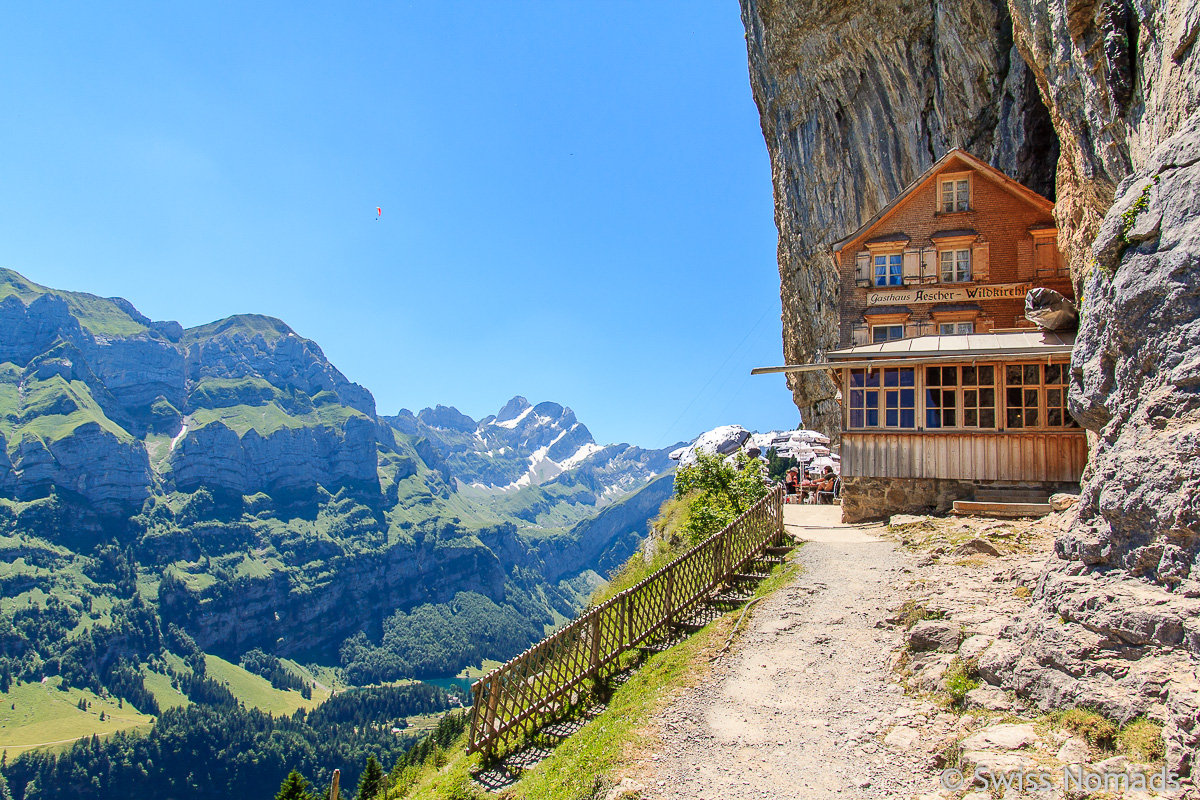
(862, 269)
(858, 334)
(912, 266)
(912, 330)
(984, 324)
(929, 265)
(980, 269)
(1025, 259)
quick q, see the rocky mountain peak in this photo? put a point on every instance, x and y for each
(513, 409)
(447, 417)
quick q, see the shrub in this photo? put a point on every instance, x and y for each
(961, 677)
(912, 612)
(1142, 740)
(1086, 724)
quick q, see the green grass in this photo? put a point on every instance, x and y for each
(257, 691)
(1142, 740)
(269, 418)
(249, 325)
(46, 717)
(98, 315)
(164, 693)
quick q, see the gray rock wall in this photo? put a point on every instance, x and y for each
(856, 100)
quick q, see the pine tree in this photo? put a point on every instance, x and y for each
(372, 780)
(4, 793)
(295, 787)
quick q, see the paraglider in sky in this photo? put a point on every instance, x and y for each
(378, 213)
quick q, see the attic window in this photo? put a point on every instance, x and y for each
(956, 194)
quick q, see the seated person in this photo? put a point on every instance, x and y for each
(827, 481)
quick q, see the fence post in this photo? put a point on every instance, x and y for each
(670, 594)
(595, 660)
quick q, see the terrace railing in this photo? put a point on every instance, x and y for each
(532, 689)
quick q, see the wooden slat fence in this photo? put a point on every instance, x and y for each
(532, 689)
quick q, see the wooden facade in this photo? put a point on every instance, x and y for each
(1016, 457)
(1012, 426)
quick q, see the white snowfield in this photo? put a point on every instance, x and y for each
(803, 445)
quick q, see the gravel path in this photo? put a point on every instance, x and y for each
(795, 709)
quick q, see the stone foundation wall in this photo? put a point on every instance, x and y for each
(865, 499)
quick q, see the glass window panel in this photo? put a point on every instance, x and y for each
(1013, 398)
(908, 377)
(987, 376)
(933, 418)
(947, 266)
(856, 377)
(933, 376)
(892, 399)
(891, 377)
(966, 327)
(1031, 399)
(1031, 374)
(963, 265)
(1031, 417)
(879, 333)
(949, 376)
(908, 397)
(1053, 373)
(1054, 416)
(892, 419)
(872, 417)
(970, 397)
(987, 417)
(963, 188)
(1012, 375)
(908, 418)
(856, 418)
(1053, 398)
(873, 378)
(948, 414)
(987, 397)
(1014, 418)
(856, 398)
(969, 376)
(970, 417)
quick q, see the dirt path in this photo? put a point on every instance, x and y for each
(794, 710)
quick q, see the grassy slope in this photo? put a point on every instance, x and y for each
(270, 328)
(43, 715)
(257, 691)
(98, 315)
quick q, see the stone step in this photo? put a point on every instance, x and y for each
(1010, 496)
(974, 508)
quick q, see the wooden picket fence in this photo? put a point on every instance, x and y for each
(533, 689)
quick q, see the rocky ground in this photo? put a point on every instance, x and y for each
(858, 680)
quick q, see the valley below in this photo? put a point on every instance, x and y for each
(196, 517)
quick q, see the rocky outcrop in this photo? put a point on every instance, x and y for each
(1117, 622)
(286, 460)
(856, 100)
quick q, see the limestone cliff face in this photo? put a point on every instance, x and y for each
(856, 100)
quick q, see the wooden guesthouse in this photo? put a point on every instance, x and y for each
(947, 392)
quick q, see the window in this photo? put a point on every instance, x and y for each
(956, 195)
(899, 398)
(1036, 396)
(953, 328)
(979, 397)
(889, 269)
(886, 333)
(960, 397)
(864, 399)
(956, 266)
(941, 397)
(1055, 378)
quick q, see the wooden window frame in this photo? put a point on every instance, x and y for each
(954, 252)
(875, 325)
(889, 255)
(1041, 391)
(921, 407)
(954, 178)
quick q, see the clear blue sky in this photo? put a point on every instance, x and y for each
(576, 196)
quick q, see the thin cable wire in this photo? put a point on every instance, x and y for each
(714, 375)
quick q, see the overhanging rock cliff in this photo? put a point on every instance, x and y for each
(857, 100)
